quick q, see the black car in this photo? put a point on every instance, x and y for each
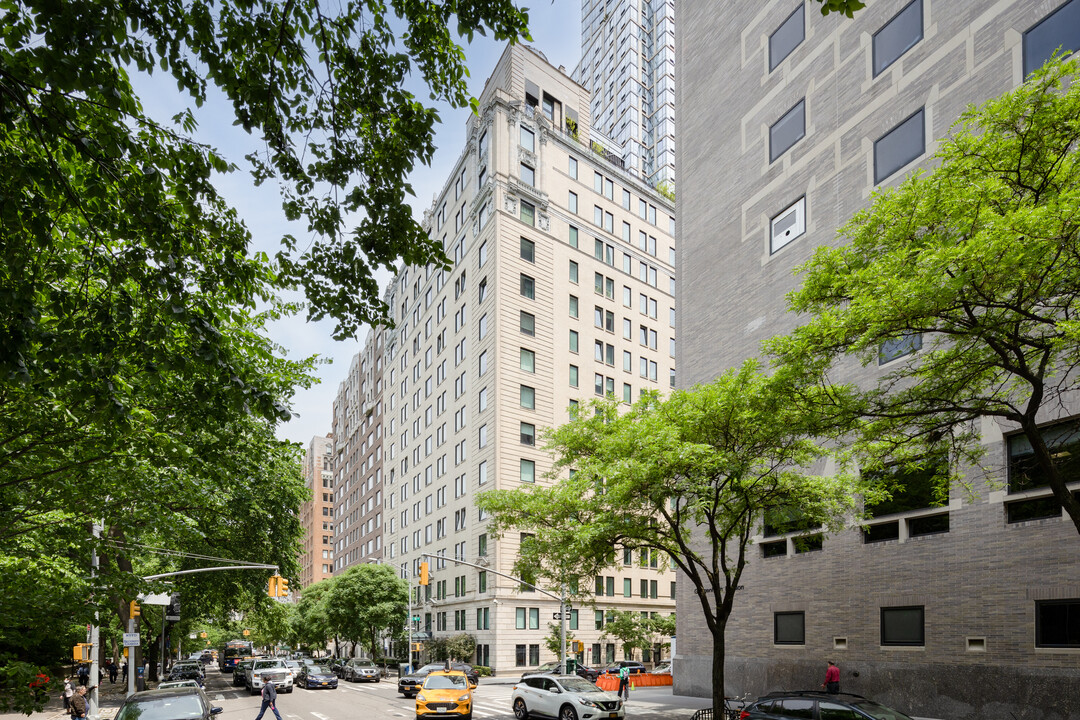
(816, 705)
(315, 676)
(174, 704)
(632, 665)
(409, 685)
(589, 673)
(186, 672)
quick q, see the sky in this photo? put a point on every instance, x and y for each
(555, 26)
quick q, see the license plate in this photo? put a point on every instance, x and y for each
(324, 682)
(611, 715)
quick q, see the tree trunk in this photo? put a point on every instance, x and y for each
(718, 672)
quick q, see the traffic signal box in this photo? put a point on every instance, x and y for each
(283, 587)
(134, 610)
(278, 587)
(81, 652)
(424, 577)
(273, 586)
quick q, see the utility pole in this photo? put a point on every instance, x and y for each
(92, 710)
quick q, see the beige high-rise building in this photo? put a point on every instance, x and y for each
(561, 290)
(317, 556)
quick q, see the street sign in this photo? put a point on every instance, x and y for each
(556, 616)
(131, 639)
(154, 599)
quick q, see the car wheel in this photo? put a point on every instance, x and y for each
(520, 711)
(567, 713)
(378, 679)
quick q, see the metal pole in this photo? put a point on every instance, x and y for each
(562, 630)
(161, 667)
(131, 660)
(410, 625)
(92, 710)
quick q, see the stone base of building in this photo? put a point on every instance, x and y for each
(949, 692)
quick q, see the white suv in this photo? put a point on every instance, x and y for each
(566, 697)
(277, 670)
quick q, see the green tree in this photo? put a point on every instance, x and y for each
(688, 476)
(367, 602)
(844, 7)
(628, 628)
(311, 625)
(976, 261)
(658, 631)
(552, 639)
(461, 647)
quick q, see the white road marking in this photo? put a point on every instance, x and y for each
(320, 716)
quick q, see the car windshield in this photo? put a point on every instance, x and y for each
(292, 663)
(269, 665)
(318, 670)
(578, 685)
(429, 668)
(445, 682)
(879, 712)
(363, 663)
(177, 683)
(177, 707)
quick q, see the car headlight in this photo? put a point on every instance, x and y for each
(589, 703)
(463, 698)
(421, 698)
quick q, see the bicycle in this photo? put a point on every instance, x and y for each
(733, 706)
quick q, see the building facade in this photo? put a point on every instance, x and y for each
(317, 555)
(628, 66)
(560, 291)
(358, 457)
(788, 120)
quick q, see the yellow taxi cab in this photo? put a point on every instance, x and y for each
(445, 694)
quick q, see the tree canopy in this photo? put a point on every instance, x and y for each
(689, 476)
(964, 284)
(366, 602)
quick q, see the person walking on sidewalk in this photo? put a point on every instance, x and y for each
(269, 698)
(79, 704)
(832, 679)
(69, 692)
(624, 683)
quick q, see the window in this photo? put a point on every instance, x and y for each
(528, 250)
(534, 652)
(528, 360)
(519, 617)
(528, 287)
(528, 213)
(899, 146)
(788, 225)
(902, 625)
(572, 168)
(913, 488)
(481, 290)
(1057, 623)
(481, 329)
(787, 131)
(483, 362)
(528, 397)
(834, 711)
(571, 205)
(1063, 440)
(528, 175)
(528, 323)
(789, 628)
(528, 471)
(627, 587)
(573, 272)
(895, 348)
(598, 182)
(626, 199)
(573, 376)
(572, 238)
(898, 36)
(528, 434)
(1060, 28)
(519, 655)
(573, 341)
(787, 37)
(527, 139)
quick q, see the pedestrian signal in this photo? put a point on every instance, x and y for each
(272, 589)
(424, 577)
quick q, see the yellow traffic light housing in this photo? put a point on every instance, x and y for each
(424, 577)
(272, 589)
(134, 610)
(283, 587)
(81, 652)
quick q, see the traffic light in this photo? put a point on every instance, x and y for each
(81, 652)
(272, 590)
(134, 610)
(424, 577)
(283, 587)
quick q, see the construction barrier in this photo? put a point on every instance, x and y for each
(611, 682)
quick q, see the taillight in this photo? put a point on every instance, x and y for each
(744, 714)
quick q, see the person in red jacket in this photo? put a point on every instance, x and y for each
(832, 679)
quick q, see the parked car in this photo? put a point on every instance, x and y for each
(591, 674)
(566, 697)
(818, 705)
(294, 669)
(185, 703)
(583, 671)
(207, 658)
(548, 667)
(277, 671)
(662, 668)
(336, 665)
(166, 684)
(315, 676)
(445, 693)
(357, 669)
(633, 665)
(239, 675)
(187, 670)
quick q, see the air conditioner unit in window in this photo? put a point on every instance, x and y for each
(788, 225)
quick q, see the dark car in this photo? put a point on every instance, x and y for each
(174, 704)
(410, 684)
(239, 676)
(816, 705)
(589, 673)
(632, 665)
(357, 669)
(183, 671)
(336, 665)
(316, 676)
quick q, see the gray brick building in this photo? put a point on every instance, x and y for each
(788, 120)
